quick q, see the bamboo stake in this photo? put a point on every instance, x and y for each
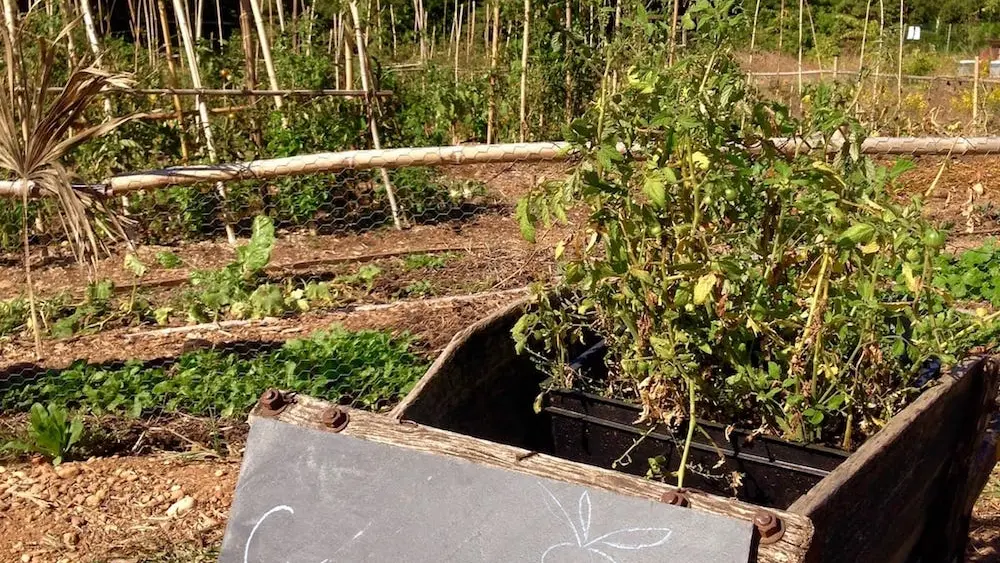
(199, 13)
(801, 12)
(524, 71)
(66, 8)
(454, 23)
(458, 37)
(812, 28)
(392, 23)
(172, 75)
(265, 48)
(486, 28)
(348, 64)
(218, 19)
(88, 25)
(899, 66)
(673, 31)
(492, 111)
(753, 32)
(864, 40)
(185, 33)
(250, 66)
(281, 14)
(975, 91)
(567, 50)
(362, 61)
(472, 31)
(781, 25)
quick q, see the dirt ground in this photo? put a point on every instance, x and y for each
(170, 501)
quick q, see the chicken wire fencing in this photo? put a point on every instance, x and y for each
(348, 273)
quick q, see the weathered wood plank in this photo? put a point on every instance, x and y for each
(904, 492)
(308, 412)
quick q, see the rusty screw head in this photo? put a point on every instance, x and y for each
(675, 497)
(769, 526)
(272, 400)
(335, 418)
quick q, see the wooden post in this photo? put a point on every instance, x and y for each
(365, 85)
(524, 71)
(491, 114)
(185, 33)
(975, 91)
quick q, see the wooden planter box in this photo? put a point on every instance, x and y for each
(905, 495)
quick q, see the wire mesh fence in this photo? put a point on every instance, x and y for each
(183, 318)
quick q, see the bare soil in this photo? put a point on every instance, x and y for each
(115, 508)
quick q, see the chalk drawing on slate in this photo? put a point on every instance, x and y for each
(627, 538)
(307, 496)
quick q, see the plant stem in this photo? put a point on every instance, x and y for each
(692, 396)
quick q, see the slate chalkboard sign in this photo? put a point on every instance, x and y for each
(307, 496)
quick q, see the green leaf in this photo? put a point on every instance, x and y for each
(132, 264)
(254, 256)
(525, 219)
(655, 190)
(860, 233)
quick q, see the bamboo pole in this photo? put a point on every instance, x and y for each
(218, 20)
(975, 91)
(456, 155)
(265, 48)
(472, 31)
(567, 58)
(91, 32)
(801, 12)
(458, 37)
(673, 31)
(363, 63)
(491, 114)
(199, 15)
(348, 63)
(392, 23)
(185, 33)
(899, 66)
(172, 75)
(753, 31)
(524, 71)
(66, 8)
(864, 39)
(781, 25)
(279, 7)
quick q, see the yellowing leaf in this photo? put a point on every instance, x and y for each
(912, 283)
(870, 248)
(703, 288)
(700, 160)
(654, 189)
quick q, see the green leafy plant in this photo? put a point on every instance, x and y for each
(50, 433)
(365, 368)
(973, 275)
(427, 261)
(364, 277)
(745, 285)
(168, 260)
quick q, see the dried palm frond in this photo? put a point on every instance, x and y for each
(37, 130)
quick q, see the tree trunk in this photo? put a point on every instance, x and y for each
(185, 33)
(365, 85)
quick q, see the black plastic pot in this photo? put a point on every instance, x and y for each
(762, 470)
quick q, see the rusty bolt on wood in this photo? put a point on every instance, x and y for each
(272, 400)
(335, 418)
(677, 498)
(769, 526)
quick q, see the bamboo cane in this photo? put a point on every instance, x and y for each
(185, 33)
(673, 32)
(363, 63)
(781, 26)
(348, 64)
(567, 50)
(279, 7)
(392, 24)
(218, 19)
(899, 65)
(91, 32)
(172, 75)
(492, 111)
(458, 37)
(753, 31)
(975, 91)
(524, 71)
(472, 31)
(265, 48)
(801, 12)
(864, 39)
